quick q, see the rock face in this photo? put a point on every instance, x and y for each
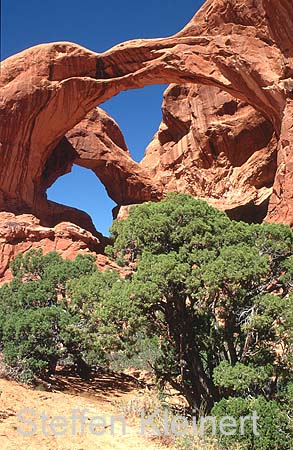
(214, 147)
(228, 140)
(19, 233)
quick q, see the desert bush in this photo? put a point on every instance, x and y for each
(145, 351)
(274, 428)
(41, 319)
(146, 401)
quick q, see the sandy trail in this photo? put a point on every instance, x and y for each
(98, 398)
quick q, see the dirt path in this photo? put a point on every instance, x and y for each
(97, 398)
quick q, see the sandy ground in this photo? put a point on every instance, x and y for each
(98, 398)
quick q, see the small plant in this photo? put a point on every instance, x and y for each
(120, 262)
(147, 401)
(145, 352)
(153, 402)
(195, 442)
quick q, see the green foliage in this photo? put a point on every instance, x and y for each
(240, 378)
(273, 430)
(55, 308)
(217, 292)
(50, 311)
(103, 301)
(140, 356)
(32, 340)
(51, 267)
(167, 226)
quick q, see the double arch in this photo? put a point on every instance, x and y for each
(49, 89)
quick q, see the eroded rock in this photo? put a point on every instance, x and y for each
(214, 147)
(20, 233)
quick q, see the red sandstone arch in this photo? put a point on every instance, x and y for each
(243, 48)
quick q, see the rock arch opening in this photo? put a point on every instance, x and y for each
(138, 113)
(81, 189)
(208, 144)
(98, 144)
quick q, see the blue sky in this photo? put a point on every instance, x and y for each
(98, 25)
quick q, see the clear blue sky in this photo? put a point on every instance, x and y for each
(98, 25)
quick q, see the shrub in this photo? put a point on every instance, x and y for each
(44, 319)
(273, 425)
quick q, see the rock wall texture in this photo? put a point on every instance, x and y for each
(100, 146)
(227, 130)
(20, 233)
(214, 147)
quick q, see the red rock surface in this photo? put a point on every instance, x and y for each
(214, 147)
(100, 146)
(20, 233)
(95, 143)
(242, 47)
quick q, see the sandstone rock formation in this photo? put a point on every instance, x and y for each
(95, 143)
(19, 233)
(214, 147)
(239, 48)
(100, 146)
